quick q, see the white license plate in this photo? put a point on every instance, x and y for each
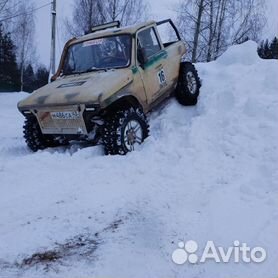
(68, 115)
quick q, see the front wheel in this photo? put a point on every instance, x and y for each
(34, 138)
(124, 131)
(189, 85)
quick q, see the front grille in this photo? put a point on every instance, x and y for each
(61, 126)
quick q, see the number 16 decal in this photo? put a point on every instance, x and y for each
(161, 77)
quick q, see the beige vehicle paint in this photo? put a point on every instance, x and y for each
(71, 95)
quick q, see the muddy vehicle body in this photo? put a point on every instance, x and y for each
(106, 83)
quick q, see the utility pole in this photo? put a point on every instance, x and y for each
(53, 40)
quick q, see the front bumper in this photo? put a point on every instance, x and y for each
(63, 126)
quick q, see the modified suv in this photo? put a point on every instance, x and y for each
(106, 83)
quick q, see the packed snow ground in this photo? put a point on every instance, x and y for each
(206, 173)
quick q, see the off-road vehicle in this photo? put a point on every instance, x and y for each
(106, 83)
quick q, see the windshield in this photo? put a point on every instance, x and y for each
(98, 54)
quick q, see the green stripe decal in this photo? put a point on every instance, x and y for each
(161, 55)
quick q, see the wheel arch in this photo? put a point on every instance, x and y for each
(123, 102)
(184, 63)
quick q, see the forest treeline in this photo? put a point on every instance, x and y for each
(208, 28)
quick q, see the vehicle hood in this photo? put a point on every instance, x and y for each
(92, 87)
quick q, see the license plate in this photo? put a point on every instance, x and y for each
(68, 115)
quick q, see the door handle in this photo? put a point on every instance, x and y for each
(159, 66)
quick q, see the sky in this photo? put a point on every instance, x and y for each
(161, 9)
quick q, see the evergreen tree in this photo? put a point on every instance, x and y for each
(261, 50)
(9, 73)
(274, 48)
(267, 51)
(29, 84)
(42, 75)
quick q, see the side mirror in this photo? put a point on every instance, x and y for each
(142, 56)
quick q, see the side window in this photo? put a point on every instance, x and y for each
(167, 33)
(147, 40)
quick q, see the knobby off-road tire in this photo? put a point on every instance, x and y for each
(124, 130)
(189, 85)
(34, 138)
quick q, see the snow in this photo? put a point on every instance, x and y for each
(244, 54)
(206, 173)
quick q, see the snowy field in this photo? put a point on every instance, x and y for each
(206, 173)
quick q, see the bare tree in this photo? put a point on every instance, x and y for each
(88, 13)
(200, 10)
(190, 22)
(3, 3)
(4, 11)
(126, 11)
(8, 10)
(23, 35)
(210, 26)
(249, 21)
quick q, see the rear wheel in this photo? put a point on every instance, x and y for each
(124, 131)
(189, 85)
(34, 138)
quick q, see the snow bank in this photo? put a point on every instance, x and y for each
(244, 54)
(206, 173)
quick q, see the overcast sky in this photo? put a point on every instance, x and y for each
(161, 9)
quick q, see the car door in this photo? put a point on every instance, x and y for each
(175, 48)
(153, 71)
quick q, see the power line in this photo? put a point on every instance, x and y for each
(25, 13)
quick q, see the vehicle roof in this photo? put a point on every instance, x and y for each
(113, 31)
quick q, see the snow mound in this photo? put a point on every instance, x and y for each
(206, 173)
(243, 54)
